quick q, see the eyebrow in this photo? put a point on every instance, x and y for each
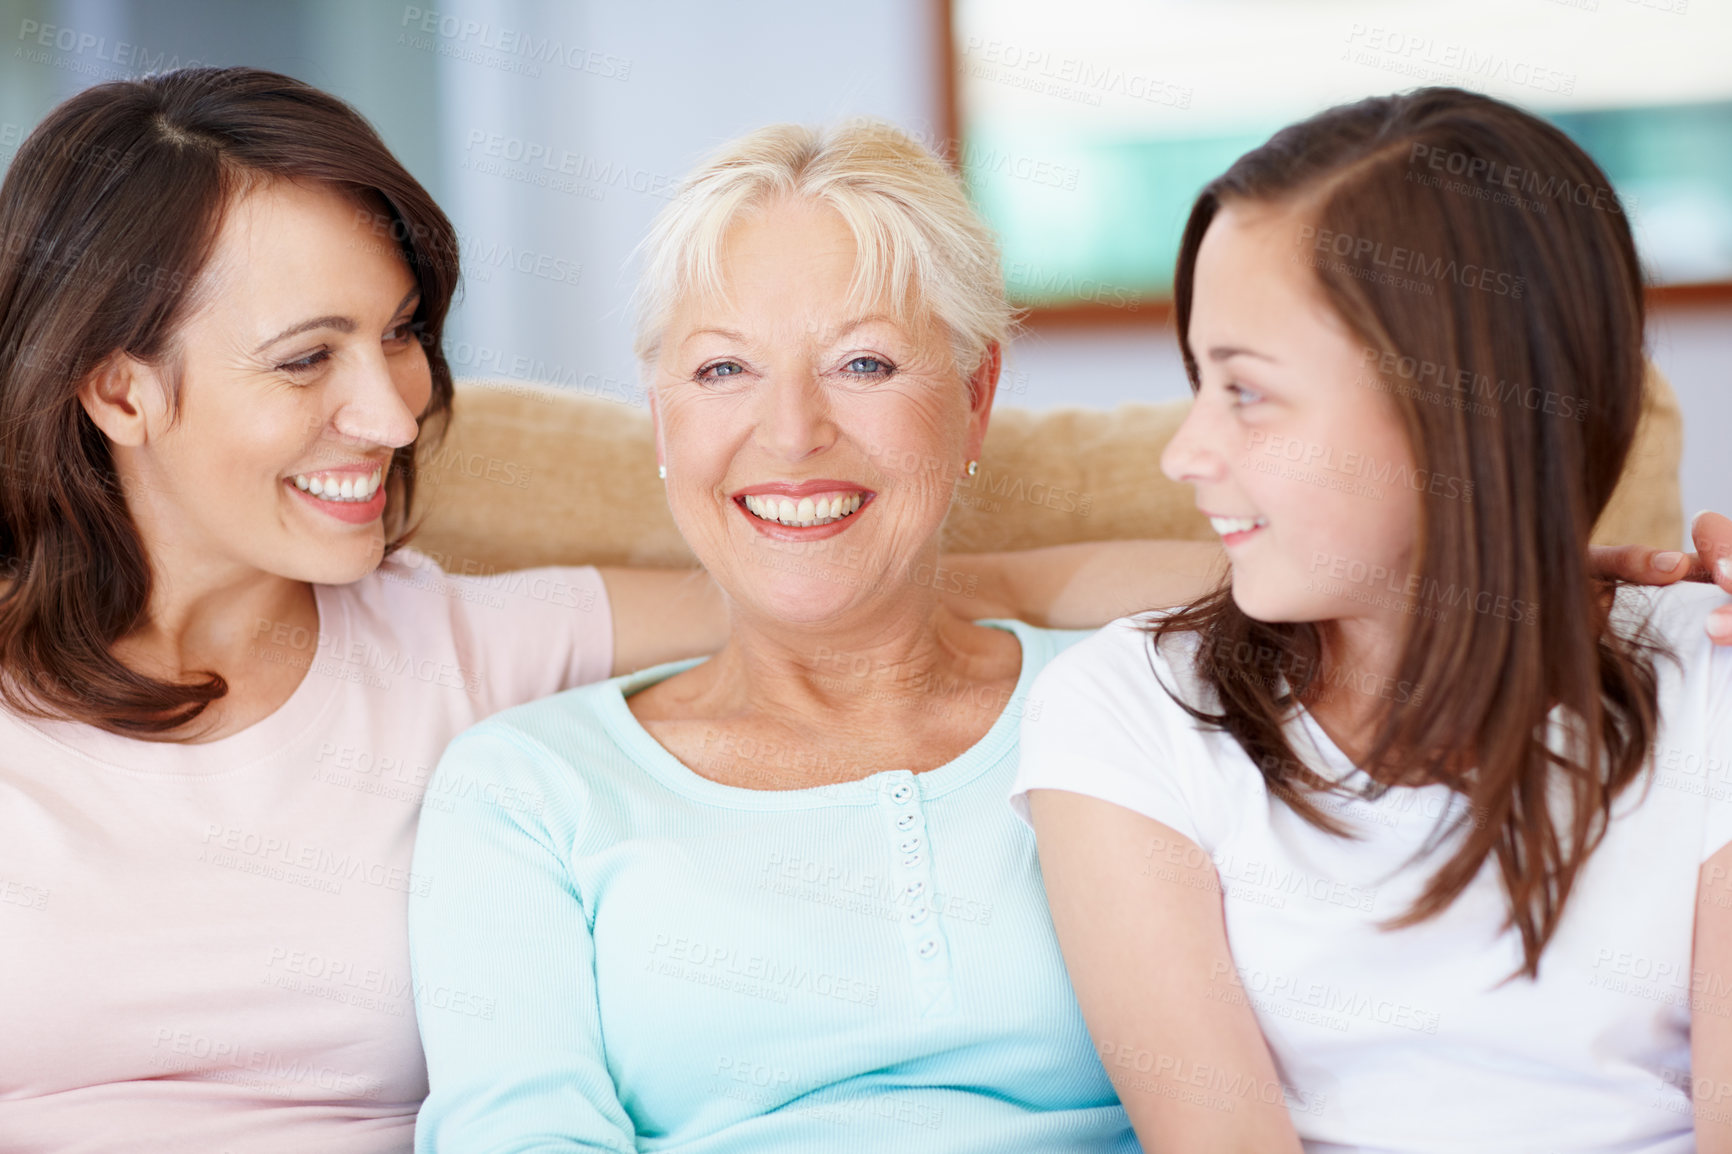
(340, 323)
(842, 329)
(1227, 352)
(730, 334)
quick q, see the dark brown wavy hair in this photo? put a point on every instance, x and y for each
(1540, 294)
(108, 215)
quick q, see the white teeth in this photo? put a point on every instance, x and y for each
(334, 488)
(807, 512)
(1226, 525)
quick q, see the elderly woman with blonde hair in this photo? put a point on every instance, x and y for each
(774, 900)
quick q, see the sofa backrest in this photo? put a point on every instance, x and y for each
(528, 475)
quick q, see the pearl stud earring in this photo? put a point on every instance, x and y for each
(662, 472)
(973, 468)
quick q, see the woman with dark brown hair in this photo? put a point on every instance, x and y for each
(223, 686)
(1399, 840)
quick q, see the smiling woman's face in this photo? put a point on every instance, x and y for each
(1298, 461)
(812, 445)
(299, 376)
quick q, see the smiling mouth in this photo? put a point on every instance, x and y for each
(339, 487)
(1228, 526)
(803, 512)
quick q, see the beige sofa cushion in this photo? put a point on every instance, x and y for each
(527, 475)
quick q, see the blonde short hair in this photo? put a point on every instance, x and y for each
(919, 239)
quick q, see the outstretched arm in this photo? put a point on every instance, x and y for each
(666, 614)
(1085, 585)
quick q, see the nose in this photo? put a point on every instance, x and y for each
(375, 402)
(1192, 456)
(793, 418)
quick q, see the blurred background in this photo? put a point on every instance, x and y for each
(552, 130)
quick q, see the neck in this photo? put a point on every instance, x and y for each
(1356, 682)
(213, 615)
(875, 662)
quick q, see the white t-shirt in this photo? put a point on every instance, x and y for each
(1411, 1040)
(204, 948)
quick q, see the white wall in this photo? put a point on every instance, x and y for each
(699, 73)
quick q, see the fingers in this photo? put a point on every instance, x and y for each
(1644, 566)
(1712, 534)
(1720, 625)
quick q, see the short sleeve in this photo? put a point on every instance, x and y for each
(523, 634)
(1099, 722)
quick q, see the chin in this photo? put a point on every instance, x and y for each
(330, 564)
(1263, 601)
(803, 598)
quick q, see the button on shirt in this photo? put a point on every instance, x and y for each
(677, 964)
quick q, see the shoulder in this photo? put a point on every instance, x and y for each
(1123, 662)
(1121, 685)
(1103, 721)
(1673, 614)
(567, 728)
(410, 583)
(1674, 618)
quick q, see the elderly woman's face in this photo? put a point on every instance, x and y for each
(812, 444)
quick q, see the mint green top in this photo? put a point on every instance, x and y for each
(614, 953)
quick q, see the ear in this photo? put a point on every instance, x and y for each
(982, 388)
(122, 396)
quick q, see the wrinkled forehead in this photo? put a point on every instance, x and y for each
(798, 267)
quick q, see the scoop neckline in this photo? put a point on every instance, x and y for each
(656, 760)
(265, 738)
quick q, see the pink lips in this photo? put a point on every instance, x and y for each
(793, 491)
(802, 489)
(353, 512)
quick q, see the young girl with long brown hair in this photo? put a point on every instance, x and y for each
(1401, 840)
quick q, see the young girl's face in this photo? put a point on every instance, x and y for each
(1299, 460)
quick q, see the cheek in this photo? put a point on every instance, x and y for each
(415, 384)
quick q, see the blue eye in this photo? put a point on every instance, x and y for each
(870, 366)
(720, 369)
(1243, 396)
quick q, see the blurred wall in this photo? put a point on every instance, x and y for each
(552, 131)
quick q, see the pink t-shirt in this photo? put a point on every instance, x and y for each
(202, 947)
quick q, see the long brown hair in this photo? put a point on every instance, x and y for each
(109, 213)
(1454, 231)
